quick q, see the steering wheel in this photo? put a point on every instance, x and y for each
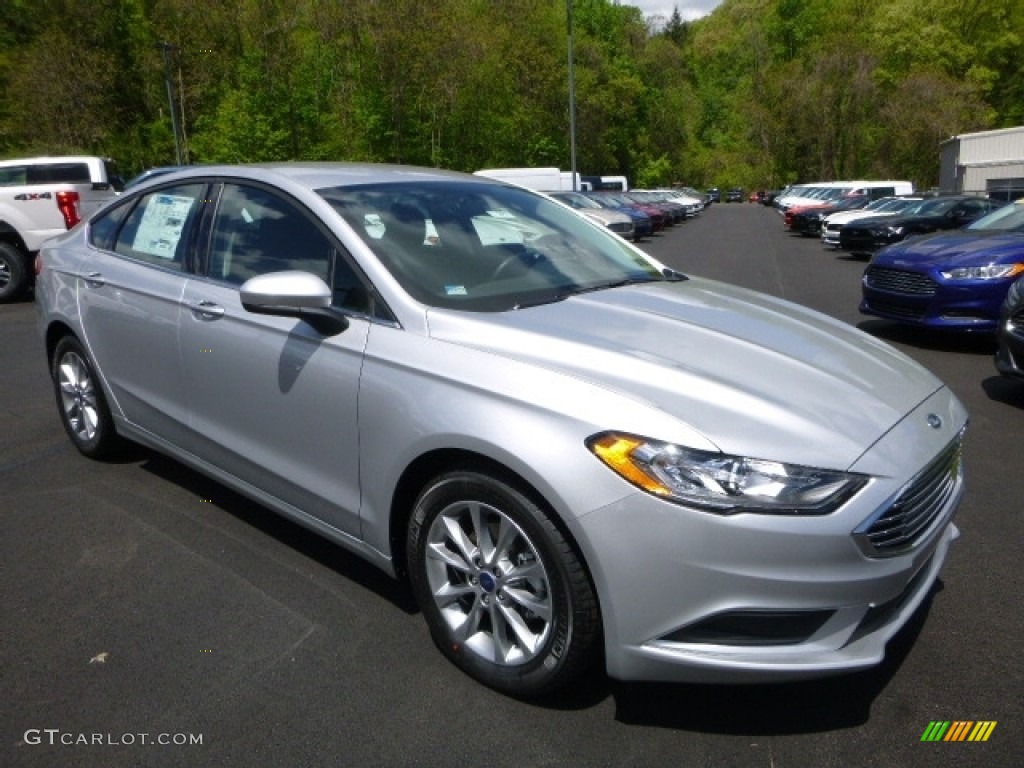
(520, 261)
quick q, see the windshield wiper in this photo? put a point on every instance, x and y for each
(669, 275)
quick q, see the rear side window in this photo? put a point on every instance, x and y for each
(59, 173)
(103, 229)
(13, 175)
(156, 230)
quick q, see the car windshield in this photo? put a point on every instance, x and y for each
(1009, 218)
(848, 203)
(893, 204)
(486, 247)
(931, 207)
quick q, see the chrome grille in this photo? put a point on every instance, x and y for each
(898, 527)
(899, 281)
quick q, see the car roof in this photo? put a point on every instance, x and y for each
(52, 159)
(318, 175)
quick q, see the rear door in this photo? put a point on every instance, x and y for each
(129, 298)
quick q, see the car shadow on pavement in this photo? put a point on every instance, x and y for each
(1003, 389)
(925, 338)
(292, 535)
(785, 708)
(723, 709)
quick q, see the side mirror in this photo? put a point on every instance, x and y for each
(293, 294)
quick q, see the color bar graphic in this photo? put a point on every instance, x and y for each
(958, 730)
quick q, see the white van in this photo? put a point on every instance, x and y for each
(538, 179)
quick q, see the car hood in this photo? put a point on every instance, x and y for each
(755, 375)
(843, 217)
(962, 248)
(605, 215)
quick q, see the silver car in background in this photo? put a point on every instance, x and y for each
(573, 454)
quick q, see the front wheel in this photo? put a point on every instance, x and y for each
(504, 594)
(83, 409)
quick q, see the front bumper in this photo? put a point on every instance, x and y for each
(950, 306)
(865, 242)
(689, 596)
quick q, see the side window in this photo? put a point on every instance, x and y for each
(13, 175)
(103, 229)
(58, 173)
(156, 229)
(967, 209)
(256, 232)
(349, 289)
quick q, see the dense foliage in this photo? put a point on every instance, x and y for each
(760, 93)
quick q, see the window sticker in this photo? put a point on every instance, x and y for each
(455, 290)
(373, 225)
(161, 225)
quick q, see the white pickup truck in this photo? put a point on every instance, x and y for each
(41, 197)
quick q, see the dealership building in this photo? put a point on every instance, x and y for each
(989, 163)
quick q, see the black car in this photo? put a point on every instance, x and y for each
(1010, 333)
(734, 195)
(713, 195)
(865, 236)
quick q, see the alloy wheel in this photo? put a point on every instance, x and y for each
(78, 396)
(489, 583)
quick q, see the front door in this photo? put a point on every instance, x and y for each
(272, 401)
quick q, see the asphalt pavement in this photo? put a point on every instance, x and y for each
(151, 617)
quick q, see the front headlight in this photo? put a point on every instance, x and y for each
(724, 484)
(988, 272)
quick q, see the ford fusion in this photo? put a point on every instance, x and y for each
(949, 280)
(575, 455)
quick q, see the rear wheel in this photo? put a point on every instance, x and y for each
(13, 273)
(503, 592)
(83, 409)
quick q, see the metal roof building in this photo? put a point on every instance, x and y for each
(989, 163)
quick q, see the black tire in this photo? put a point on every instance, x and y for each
(14, 275)
(515, 611)
(80, 401)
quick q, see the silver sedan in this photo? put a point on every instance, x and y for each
(573, 454)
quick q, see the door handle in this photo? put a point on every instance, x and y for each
(207, 310)
(94, 280)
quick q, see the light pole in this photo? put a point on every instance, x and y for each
(572, 99)
(167, 48)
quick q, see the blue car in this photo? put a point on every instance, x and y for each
(1010, 335)
(956, 280)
